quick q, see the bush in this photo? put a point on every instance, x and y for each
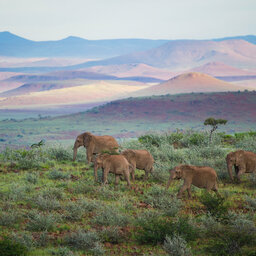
(153, 228)
(81, 240)
(9, 218)
(112, 235)
(59, 153)
(253, 180)
(58, 175)
(246, 143)
(216, 205)
(12, 248)
(251, 203)
(47, 203)
(23, 238)
(32, 178)
(25, 159)
(74, 211)
(61, 251)
(239, 233)
(160, 198)
(41, 222)
(107, 193)
(176, 246)
(109, 216)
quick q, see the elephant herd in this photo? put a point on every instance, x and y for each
(103, 152)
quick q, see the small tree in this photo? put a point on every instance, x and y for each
(214, 124)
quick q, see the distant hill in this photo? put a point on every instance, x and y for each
(52, 94)
(220, 69)
(13, 45)
(184, 54)
(188, 83)
(239, 108)
(248, 38)
(131, 70)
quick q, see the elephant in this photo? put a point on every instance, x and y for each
(199, 176)
(243, 162)
(116, 164)
(94, 144)
(140, 159)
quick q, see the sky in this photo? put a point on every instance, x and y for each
(106, 19)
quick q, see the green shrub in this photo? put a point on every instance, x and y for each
(23, 238)
(109, 216)
(81, 240)
(215, 205)
(112, 235)
(9, 218)
(58, 175)
(41, 222)
(74, 211)
(12, 248)
(61, 251)
(160, 198)
(59, 153)
(108, 193)
(251, 203)
(253, 180)
(32, 178)
(152, 228)
(239, 233)
(46, 203)
(176, 246)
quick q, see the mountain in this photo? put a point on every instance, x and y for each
(188, 83)
(220, 69)
(233, 106)
(13, 45)
(55, 94)
(184, 54)
(248, 38)
(131, 70)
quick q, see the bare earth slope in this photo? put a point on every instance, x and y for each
(187, 83)
(97, 91)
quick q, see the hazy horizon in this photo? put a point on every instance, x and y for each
(114, 19)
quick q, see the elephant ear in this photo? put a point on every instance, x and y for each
(239, 157)
(87, 139)
(131, 154)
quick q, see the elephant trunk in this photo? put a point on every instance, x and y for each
(229, 165)
(172, 176)
(74, 152)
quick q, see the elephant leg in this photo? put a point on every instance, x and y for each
(146, 175)
(242, 170)
(95, 172)
(182, 189)
(127, 177)
(116, 179)
(105, 175)
(189, 192)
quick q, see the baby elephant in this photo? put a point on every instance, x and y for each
(140, 159)
(116, 164)
(199, 176)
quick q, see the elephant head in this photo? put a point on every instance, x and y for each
(234, 159)
(80, 141)
(175, 173)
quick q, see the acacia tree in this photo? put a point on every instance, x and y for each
(214, 124)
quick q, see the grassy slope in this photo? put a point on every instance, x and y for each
(134, 116)
(18, 194)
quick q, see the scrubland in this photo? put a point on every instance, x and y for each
(50, 205)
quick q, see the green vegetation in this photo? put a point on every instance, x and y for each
(214, 123)
(51, 205)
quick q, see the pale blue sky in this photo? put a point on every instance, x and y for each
(103, 19)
